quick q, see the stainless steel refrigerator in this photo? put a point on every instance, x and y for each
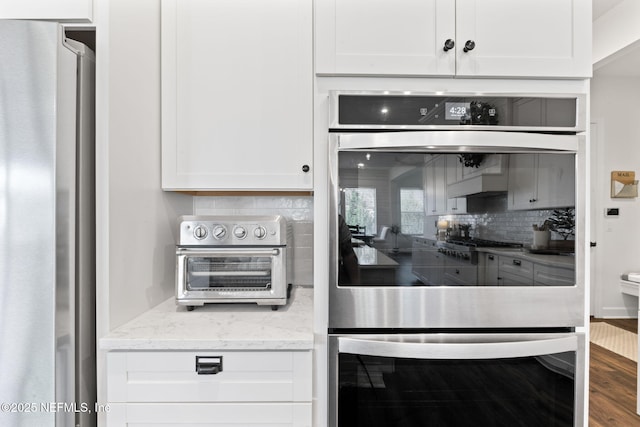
(47, 227)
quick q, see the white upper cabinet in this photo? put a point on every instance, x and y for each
(237, 95)
(435, 185)
(530, 38)
(378, 37)
(488, 38)
(541, 181)
(54, 10)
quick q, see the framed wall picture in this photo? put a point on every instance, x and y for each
(624, 184)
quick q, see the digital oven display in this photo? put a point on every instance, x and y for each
(456, 110)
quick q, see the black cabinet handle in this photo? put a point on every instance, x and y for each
(517, 262)
(533, 200)
(305, 168)
(593, 244)
(208, 365)
(491, 257)
(469, 45)
(448, 45)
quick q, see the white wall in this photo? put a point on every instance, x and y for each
(142, 218)
(615, 110)
(615, 31)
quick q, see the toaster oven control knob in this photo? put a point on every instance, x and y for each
(260, 232)
(200, 232)
(219, 232)
(240, 232)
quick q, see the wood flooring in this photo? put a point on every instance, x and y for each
(612, 384)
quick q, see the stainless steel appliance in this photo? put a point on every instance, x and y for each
(232, 259)
(47, 223)
(382, 144)
(429, 346)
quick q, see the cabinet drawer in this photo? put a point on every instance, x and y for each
(212, 414)
(545, 275)
(508, 279)
(245, 376)
(508, 267)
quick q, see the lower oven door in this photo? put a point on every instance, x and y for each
(457, 380)
(230, 275)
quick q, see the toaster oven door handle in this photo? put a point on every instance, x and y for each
(229, 253)
(240, 273)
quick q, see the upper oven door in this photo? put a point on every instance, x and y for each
(396, 196)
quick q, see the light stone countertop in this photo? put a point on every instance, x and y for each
(220, 327)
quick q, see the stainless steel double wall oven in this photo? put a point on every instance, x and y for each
(466, 298)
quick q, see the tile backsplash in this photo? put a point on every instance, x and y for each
(495, 222)
(298, 210)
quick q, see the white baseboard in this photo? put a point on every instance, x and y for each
(619, 313)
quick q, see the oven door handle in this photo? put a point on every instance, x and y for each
(457, 350)
(228, 253)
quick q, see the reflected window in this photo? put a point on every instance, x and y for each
(360, 208)
(412, 211)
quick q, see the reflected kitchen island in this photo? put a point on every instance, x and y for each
(376, 268)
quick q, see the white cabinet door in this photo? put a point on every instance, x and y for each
(209, 414)
(236, 95)
(55, 10)
(526, 38)
(379, 37)
(514, 271)
(216, 388)
(455, 205)
(427, 262)
(555, 181)
(436, 186)
(488, 269)
(529, 38)
(547, 275)
(522, 181)
(541, 181)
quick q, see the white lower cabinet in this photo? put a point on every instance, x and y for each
(544, 275)
(427, 262)
(503, 270)
(243, 388)
(541, 181)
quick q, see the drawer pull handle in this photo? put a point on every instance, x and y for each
(491, 257)
(208, 365)
(517, 262)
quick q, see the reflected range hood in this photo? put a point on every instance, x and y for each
(487, 184)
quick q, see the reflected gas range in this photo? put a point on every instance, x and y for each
(464, 249)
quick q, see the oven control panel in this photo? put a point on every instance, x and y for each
(267, 230)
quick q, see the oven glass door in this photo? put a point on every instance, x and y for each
(448, 219)
(422, 381)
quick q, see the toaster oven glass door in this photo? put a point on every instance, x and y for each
(228, 272)
(222, 269)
